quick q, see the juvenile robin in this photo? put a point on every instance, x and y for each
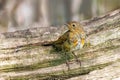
(70, 41)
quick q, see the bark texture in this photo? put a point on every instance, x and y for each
(100, 56)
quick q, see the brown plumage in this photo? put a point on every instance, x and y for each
(71, 40)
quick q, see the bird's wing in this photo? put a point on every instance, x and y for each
(62, 38)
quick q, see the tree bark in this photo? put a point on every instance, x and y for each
(100, 55)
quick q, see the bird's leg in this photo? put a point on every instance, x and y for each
(67, 62)
(76, 58)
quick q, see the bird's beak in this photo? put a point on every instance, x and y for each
(66, 25)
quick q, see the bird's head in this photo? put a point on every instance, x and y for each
(75, 26)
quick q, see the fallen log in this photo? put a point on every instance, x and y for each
(100, 55)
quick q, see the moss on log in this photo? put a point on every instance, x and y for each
(101, 52)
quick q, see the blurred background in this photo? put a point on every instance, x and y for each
(23, 14)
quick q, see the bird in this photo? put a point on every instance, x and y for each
(72, 40)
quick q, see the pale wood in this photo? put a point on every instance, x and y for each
(100, 55)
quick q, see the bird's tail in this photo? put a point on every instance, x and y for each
(46, 43)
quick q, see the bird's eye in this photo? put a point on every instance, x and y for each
(73, 25)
